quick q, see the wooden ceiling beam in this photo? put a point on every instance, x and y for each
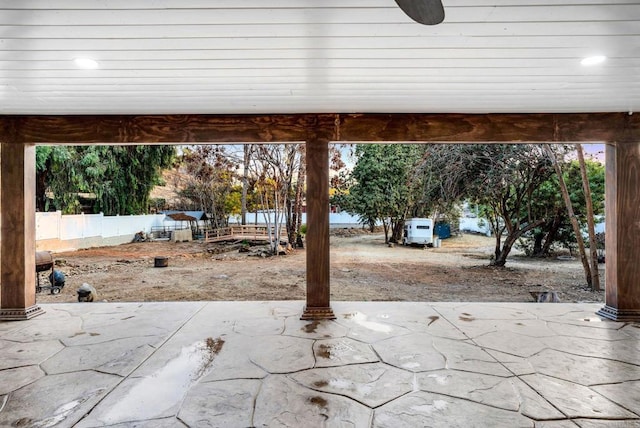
(488, 128)
(164, 129)
(282, 128)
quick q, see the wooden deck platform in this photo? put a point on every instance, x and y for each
(238, 233)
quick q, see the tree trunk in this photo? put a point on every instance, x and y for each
(595, 278)
(291, 220)
(396, 232)
(41, 195)
(302, 177)
(537, 245)
(385, 226)
(245, 183)
(278, 223)
(497, 231)
(551, 234)
(498, 249)
(502, 253)
(572, 216)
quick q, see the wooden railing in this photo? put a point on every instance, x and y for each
(248, 232)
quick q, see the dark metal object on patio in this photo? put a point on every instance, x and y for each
(44, 262)
(161, 261)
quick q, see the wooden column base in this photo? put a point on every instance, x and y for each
(20, 314)
(621, 315)
(317, 314)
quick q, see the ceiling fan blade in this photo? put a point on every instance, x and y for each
(427, 12)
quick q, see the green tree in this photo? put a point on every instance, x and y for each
(548, 201)
(120, 177)
(57, 179)
(503, 180)
(446, 171)
(385, 186)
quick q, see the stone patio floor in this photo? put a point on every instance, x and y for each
(380, 364)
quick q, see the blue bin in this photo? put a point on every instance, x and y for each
(442, 230)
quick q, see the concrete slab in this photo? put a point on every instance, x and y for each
(282, 354)
(483, 389)
(625, 351)
(626, 394)
(220, 404)
(414, 352)
(583, 370)
(283, 403)
(575, 401)
(56, 400)
(321, 329)
(557, 424)
(120, 356)
(440, 411)
(341, 352)
(18, 354)
(371, 384)
(534, 405)
(512, 343)
(238, 364)
(16, 378)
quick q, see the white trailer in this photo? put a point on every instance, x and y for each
(418, 231)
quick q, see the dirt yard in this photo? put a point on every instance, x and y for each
(362, 268)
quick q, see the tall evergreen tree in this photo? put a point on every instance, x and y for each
(120, 177)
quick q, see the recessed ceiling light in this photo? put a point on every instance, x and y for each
(86, 63)
(593, 60)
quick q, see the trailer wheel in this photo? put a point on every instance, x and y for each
(55, 290)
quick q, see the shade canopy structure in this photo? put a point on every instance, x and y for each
(181, 217)
(249, 71)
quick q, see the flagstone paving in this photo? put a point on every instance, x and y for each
(379, 364)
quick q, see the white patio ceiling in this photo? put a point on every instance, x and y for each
(299, 56)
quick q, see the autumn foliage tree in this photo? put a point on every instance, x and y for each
(278, 171)
(208, 183)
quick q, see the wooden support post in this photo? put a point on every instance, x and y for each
(318, 265)
(622, 222)
(18, 245)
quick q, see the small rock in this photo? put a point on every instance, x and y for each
(545, 296)
(87, 293)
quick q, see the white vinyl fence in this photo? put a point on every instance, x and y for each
(57, 232)
(336, 220)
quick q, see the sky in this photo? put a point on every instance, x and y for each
(595, 151)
